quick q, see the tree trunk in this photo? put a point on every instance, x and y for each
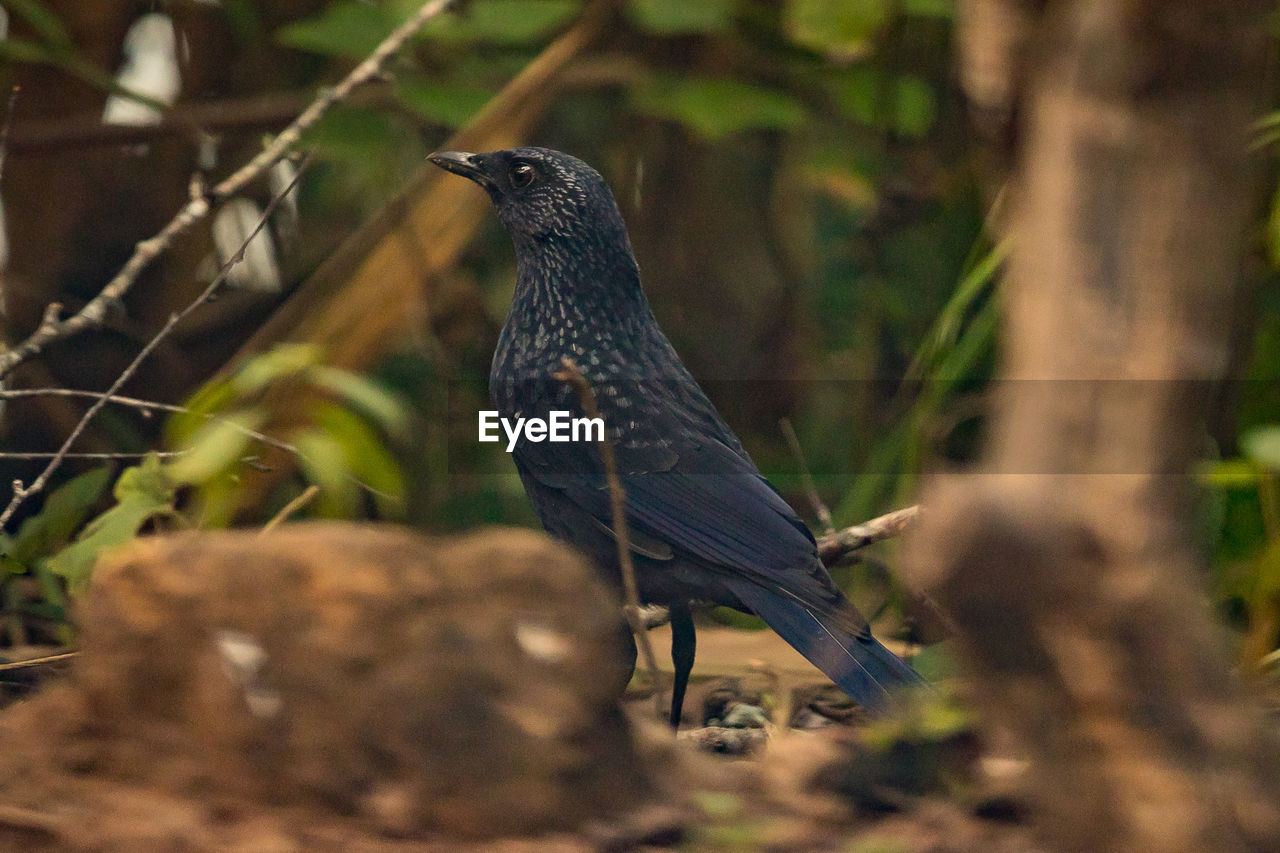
(1067, 561)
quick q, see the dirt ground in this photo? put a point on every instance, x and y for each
(336, 687)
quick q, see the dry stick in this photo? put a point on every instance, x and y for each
(135, 403)
(52, 328)
(21, 492)
(267, 112)
(843, 542)
(806, 479)
(618, 503)
(47, 659)
(49, 454)
(290, 508)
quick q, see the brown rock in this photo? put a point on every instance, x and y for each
(458, 686)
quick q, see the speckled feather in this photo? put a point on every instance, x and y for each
(707, 526)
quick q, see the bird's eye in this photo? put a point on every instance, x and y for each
(522, 175)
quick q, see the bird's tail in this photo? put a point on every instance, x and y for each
(860, 665)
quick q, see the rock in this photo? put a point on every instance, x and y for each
(455, 686)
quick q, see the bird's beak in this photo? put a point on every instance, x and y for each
(461, 163)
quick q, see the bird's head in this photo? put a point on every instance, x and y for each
(542, 194)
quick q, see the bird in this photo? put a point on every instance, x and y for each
(705, 525)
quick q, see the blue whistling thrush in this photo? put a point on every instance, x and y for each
(705, 524)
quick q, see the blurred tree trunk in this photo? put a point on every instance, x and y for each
(710, 261)
(1068, 563)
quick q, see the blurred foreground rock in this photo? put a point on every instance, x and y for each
(413, 687)
(334, 687)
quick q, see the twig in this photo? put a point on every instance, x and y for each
(195, 210)
(618, 503)
(50, 454)
(266, 112)
(21, 492)
(290, 508)
(834, 546)
(810, 488)
(145, 406)
(47, 659)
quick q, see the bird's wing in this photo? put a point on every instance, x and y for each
(705, 498)
(715, 505)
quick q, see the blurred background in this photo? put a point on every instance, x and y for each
(811, 204)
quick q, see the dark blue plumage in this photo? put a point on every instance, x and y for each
(706, 526)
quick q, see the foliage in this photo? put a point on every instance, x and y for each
(848, 107)
(341, 429)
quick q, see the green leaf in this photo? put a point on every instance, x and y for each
(840, 27)
(929, 8)
(448, 105)
(1262, 445)
(214, 396)
(22, 50)
(281, 361)
(143, 492)
(217, 446)
(244, 20)
(902, 103)
(717, 108)
(46, 24)
(323, 461)
(64, 510)
(366, 395)
(355, 137)
(1228, 474)
(146, 480)
(12, 565)
(342, 29)
(364, 456)
(1273, 230)
(682, 17)
(508, 22)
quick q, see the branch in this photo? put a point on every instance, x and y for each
(618, 503)
(806, 478)
(145, 406)
(834, 546)
(22, 492)
(47, 454)
(266, 112)
(91, 315)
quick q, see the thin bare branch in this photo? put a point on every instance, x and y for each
(834, 546)
(572, 376)
(145, 406)
(50, 454)
(91, 315)
(810, 488)
(116, 399)
(42, 661)
(290, 508)
(20, 491)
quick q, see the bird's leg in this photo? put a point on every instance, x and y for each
(683, 646)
